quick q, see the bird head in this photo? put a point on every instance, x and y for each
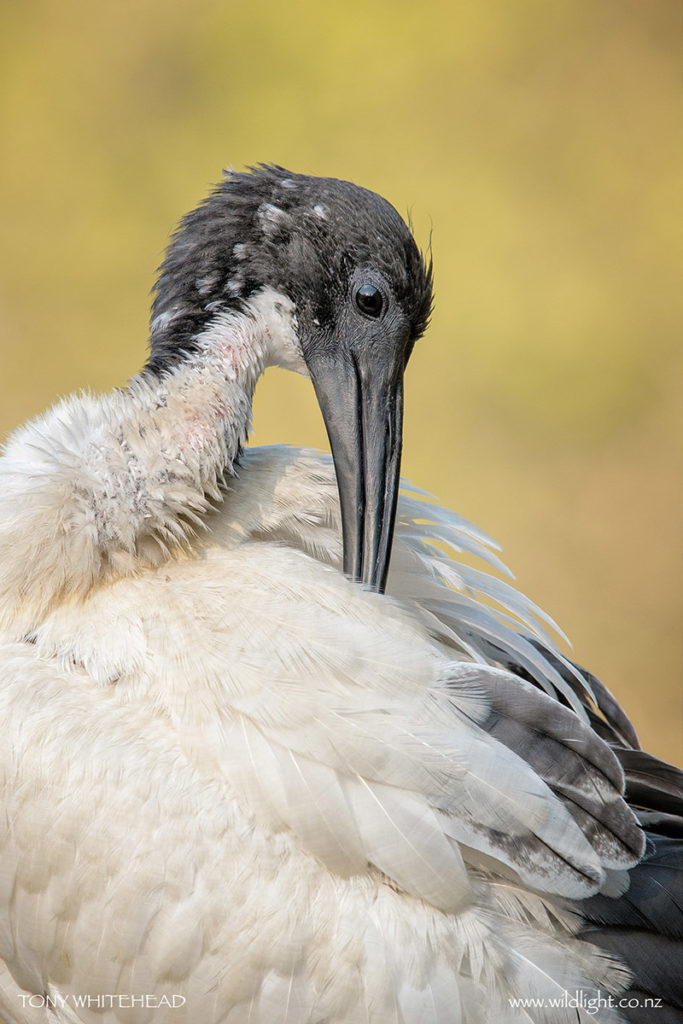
(359, 295)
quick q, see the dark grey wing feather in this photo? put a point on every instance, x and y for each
(650, 783)
(654, 900)
(655, 960)
(612, 724)
(571, 759)
(644, 926)
(612, 711)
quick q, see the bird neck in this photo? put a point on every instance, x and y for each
(96, 488)
(200, 409)
(200, 405)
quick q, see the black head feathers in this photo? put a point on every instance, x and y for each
(305, 237)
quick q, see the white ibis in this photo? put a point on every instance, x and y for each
(241, 782)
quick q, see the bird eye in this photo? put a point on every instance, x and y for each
(369, 300)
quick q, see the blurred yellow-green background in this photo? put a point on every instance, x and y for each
(541, 139)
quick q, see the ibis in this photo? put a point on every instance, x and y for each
(273, 750)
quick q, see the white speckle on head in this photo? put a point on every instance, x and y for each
(320, 211)
(239, 251)
(272, 218)
(288, 183)
(161, 322)
(206, 284)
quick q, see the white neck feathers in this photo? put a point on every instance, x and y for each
(99, 487)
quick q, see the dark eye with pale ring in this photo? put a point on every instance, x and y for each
(369, 300)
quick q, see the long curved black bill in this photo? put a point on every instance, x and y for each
(364, 421)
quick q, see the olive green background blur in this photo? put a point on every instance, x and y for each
(540, 139)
